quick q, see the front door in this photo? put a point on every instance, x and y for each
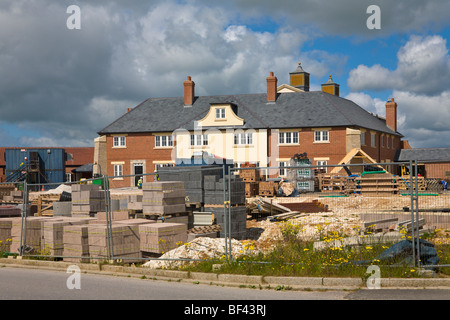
(138, 171)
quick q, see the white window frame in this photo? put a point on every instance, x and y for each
(321, 136)
(119, 142)
(220, 113)
(320, 165)
(198, 140)
(288, 137)
(373, 140)
(163, 141)
(118, 170)
(243, 138)
(282, 168)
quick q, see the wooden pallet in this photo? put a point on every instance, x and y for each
(44, 204)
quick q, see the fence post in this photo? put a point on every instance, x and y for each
(411, 190)
(108, 217)
(23, 233)
(416, 196)
(229, 210)
(225, 221)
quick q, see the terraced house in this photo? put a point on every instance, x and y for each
(266, 129)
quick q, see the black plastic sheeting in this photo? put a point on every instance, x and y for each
(401, 253)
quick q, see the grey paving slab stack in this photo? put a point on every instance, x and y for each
(163, 197)
(238, 220)
(161, 237)
(87, 199)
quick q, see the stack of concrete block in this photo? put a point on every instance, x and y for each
(163, 197)
(14, 196)
(193, 178)
(134, 202)
(115, 215)
(62, 208)
(161, 237)
(124, 239)
(214, 190)
(75, 243)
(52, 241)
(87, 199)
(238, 220)
(32, 234)
(5, 235)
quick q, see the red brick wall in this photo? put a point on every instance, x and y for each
(139, 146)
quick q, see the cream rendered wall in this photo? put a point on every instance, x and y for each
(221, 144)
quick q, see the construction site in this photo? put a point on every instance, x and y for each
(190, 213)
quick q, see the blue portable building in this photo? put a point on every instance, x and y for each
(35, 165)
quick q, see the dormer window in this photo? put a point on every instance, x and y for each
(220, 113)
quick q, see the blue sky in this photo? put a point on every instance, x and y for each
(61, 86)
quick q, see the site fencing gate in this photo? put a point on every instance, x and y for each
(352, 205)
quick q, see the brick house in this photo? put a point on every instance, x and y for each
(266, 129)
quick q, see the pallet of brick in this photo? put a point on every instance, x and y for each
(161, 237)
(87, 198)
(251, 189)
(53, 234)
(267, 188)
(163, 197)
(124, 238)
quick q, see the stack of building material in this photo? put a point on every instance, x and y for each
(124, 238)
(87, 199)
(134, 202)
(163, 197)
(10, 211)
(32, 235)
(161, 237)
(214, 190)
(5, 235)
(193, 178)
(238, 221)
(267, 188)
(5, 189)
(62, 209)
(115, 215)
(75, 243)
(52, 242)
(15, 196)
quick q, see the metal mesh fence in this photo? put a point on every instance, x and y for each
(291, 218)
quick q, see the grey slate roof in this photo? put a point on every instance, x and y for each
(291, 110)
(424, 154)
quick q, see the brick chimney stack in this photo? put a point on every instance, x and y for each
(271, 88)
(189, 92)
(391, 114)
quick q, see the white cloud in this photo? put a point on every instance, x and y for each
(423, 67)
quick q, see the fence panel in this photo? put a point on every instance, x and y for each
(299, 219)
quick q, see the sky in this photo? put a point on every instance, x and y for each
(65, 74)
